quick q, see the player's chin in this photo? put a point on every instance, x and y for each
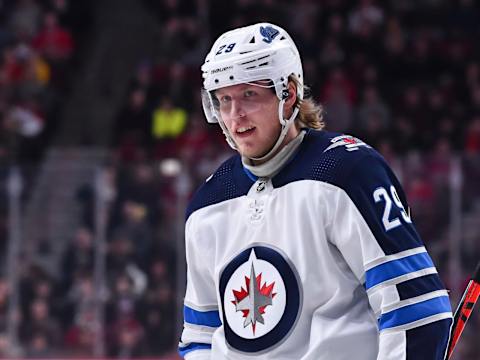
(251, 152)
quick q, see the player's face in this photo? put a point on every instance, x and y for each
(250, 114)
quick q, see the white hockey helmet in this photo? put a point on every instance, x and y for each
(246, 55)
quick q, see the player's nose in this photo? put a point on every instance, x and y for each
(237, 110)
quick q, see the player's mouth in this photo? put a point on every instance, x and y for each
(244, 131)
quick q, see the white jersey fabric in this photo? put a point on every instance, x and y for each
(321, 261)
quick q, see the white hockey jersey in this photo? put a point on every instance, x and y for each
(319, 262)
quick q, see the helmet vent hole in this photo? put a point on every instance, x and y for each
(216, 81)
(252, 41)
(231, 77)
(282, 38)
(253, 60)
(263, 64)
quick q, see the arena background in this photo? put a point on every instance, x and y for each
(103, 140)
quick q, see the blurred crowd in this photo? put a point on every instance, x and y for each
(402, 75)
(38, 43)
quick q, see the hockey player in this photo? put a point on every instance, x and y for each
(300, 246)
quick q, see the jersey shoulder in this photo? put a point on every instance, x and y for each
(363, 174)
(227, 182)
(329, 157)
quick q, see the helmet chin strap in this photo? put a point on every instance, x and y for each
(286, 124)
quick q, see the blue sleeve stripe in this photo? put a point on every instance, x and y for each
(414, 312)
(183, 350)
(205, 318)
(396, 268)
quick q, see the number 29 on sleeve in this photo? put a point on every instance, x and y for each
(381, 195)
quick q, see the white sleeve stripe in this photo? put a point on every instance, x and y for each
(402, 278)
(414, 300)
(388, 258)
(418, 323)
(203, 308)
(190, 335)
(203, 328)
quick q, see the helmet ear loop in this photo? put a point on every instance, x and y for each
(285, 96)
(281, 118)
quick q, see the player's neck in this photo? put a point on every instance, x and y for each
(292, 133)
(273, 165)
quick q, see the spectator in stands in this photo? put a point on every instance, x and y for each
(5, 346)
(123, 310)
(439, 163)
(41, 327)
(4, 296)
(168, 123)
(338, 96)
(135, 226)
(121, 254)
(40, 346)
(25, 19)
(53, 41)
(79, 316)
(366, 13)
(132, 126)
(11, 70)
(472, 136)
(78, 257)
(36, 74)
(159, 312)
(128, 340)
(136, 184)
(373, 117)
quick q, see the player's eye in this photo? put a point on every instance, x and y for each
(249, 93)
(225, 99)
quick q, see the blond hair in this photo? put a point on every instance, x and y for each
(310, 113)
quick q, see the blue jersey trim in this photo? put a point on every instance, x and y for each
(250, 174)
(396, 268)
(228, 182)
(184, 350)
(414, 312)
(205, 318)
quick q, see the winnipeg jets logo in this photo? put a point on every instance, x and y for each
(351, 143)
(261, 298)
(253, 301)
